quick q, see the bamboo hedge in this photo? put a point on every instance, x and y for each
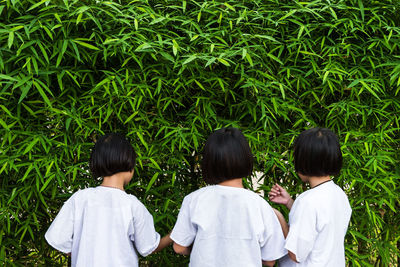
(167, 73)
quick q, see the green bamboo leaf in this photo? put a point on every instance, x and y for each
(200, 85)
(16, 28)
(13, 195)
(359, 235)
(7, 77)
(223, 61)
(4, 124)
(48, 180)
(10, 39)
(244, 52)
(66, 4)
(30, 167)
(86, 45)
(155, 164)
(79, 18)
(48, 32)
(37, 4)
(175, 47)
(325, 77)
(275, 58)
(365, 85)
(189, 59)
(24, 91)
(153, 179)
(142, 140)
(249, 59)
(31, 145)
(42, 93)
(131, 117)
(333, 13)
(57, 17)
(290, 13)
(361, 5)
(143, 47)
(230, 7)
(44, 53)
(35, 65)
(6, 110)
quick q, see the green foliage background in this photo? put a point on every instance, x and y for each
(167, 73)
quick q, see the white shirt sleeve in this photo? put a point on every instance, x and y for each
(184, 231)
(303, 230)
(272, 241)
(144, 236)
(60, 233)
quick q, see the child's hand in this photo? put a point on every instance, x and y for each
(279, 195)
(164, 242)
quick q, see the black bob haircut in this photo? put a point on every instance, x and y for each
(317, 153)
(111, 154)
(226, 156)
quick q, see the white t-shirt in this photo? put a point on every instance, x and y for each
(103, 226)
(318, 224)
(228, 226)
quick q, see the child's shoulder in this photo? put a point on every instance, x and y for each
(133, 199)
(197, 193)
(241, 193)
(135, 203)
(82, 193)
(101, 192)
(320, 193)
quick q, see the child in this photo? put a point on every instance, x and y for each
(224, 224)
(319, 217)
(104, 226)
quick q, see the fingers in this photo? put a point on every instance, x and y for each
(278, 194)
(271, 194)
(274, 193)
(279, 187)
(276, 189)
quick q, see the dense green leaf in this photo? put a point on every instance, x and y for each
(168, 73)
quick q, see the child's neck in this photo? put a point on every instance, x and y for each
(317, 180)
(117, 180)
(233, 183)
